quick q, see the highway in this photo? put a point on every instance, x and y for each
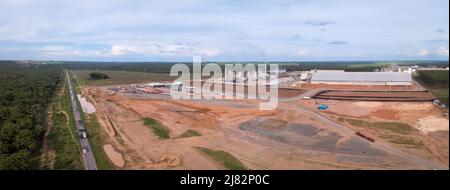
(87, 155)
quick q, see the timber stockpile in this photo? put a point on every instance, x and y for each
(376, 95)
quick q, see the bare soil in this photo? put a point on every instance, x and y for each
(116, 157)
(377, 95)
(289, 137)
(424, 117)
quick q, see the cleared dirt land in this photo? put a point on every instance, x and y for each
(376, 95)
(416, 127)
(235, 134)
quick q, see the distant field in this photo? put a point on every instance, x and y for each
(120, 77)
(436, 82)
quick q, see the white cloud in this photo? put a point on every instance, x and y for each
(210, 52)
(302, 52)
(162, 50)
(68, 51)
(423, 52)
(10, 49)
(118, 50)
(226, 30)
(442, 51)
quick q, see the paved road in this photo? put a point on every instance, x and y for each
(88, 157)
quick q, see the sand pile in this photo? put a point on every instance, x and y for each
(85, 105)
(432, 123)
(114, 156)
(368, 104)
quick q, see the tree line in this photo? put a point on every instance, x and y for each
(25, 93)
(98, 76)
(434, 79)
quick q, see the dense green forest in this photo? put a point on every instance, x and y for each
(25, 92)
(435, 79)
(97, 76)
(437, 82)
(164, 67)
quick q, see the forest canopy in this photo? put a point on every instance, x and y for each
(25, 93)
(98, 76)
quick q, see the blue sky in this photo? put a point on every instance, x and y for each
(234, 30)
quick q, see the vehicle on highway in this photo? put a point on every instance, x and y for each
(83, 133)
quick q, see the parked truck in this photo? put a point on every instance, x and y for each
(82, 133)
(84, 150)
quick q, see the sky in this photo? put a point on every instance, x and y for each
(224, 30)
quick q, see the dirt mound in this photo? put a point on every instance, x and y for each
(170, 160)
(166, 161)
(114, 156)
(385, 114)
(348, 109)
(368, 104)
(432, 123)
(418, 106)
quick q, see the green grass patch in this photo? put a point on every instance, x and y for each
(190, 133)
(404, 141)
(226, 159)
(395, 127)
(62, 138)
(441, 94)
(159, 129)
(393, 132)
(97, 138)
(120, 77)
(357, 122)
(66, 151)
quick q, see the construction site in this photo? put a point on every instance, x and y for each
(386, 121)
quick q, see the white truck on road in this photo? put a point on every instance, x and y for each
(83, 134)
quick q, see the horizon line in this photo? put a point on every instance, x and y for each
(231, 61)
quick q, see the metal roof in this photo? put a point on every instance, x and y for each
(362, 76)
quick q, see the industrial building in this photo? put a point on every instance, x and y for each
(363, 78)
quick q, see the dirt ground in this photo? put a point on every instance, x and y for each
(426, 118)
(357, 87)
(399, 96)
(290, 137)
(115, 156)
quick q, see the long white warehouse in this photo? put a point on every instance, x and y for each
(363, 78)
